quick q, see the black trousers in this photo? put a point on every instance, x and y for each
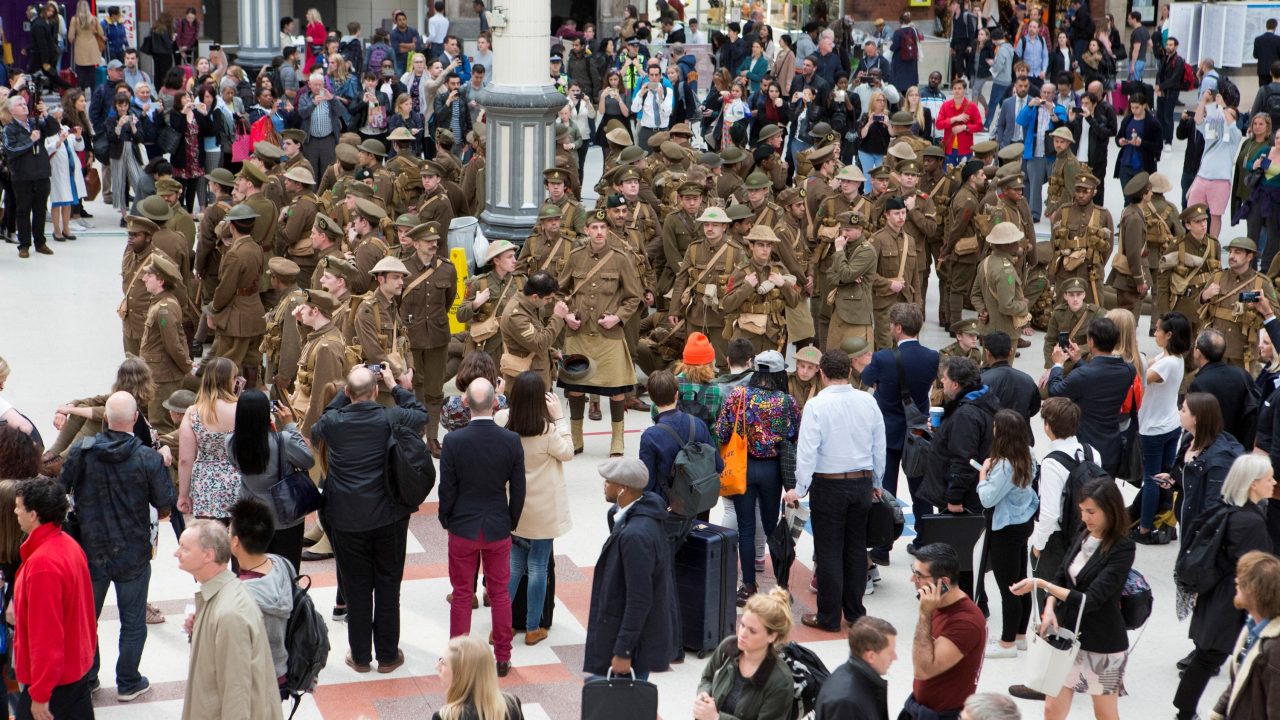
(1007, 555)
(839, 514)
(32, 198)
(1204, 665)
(70, 702)
(287, 543)
(1164, 112)
(370, 567)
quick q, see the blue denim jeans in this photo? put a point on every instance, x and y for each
(998, 94)
(1158, 454)
(531, 557)
(868, 162)
(764, 485)
(131, 597)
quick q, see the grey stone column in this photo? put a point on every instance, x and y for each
(258, 31)
(520, 111)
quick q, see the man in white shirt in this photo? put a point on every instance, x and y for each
(692, 35)
(652, 105)
(437, 28)
(845, 472)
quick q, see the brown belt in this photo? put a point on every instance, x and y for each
(245, 292)
(854, 475)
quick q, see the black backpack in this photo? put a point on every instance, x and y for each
(1199, 566)
(306, 638)
(353, 51)
(410, 474)
(1270, 104)
(808, 673)
(695, 482)
(1079, 472)
(695, 407)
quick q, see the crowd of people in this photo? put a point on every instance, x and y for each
(286, 318)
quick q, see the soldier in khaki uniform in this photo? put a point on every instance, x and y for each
(1222, 309)
(237, 307)
(792, 229)
(365, 239)
(860, 352)
(641, 226)
(997, 290)
(1162, 238)
(248, 191)
(849, 279)
(169, 241)
(336, 277)
(827, 228)
(1032, 256)
(291, 141)
(1129, 267)
(549, 246)
(137, 301)
(379, 331)
(322, 360)
(528, 341)
(702, 278)
(736, 164)
(293, 232)
(444, 155)
(962, 241)
(758, 293)
(181, 222)
(163, 346)
(1072, 316)
(966, 345)
(822, 136)
(434, 206)
(209, 247)
(1190, 264)
(326, 239)
(772, 136)
(923, 223)
(602, 292)
(424, 307)
(572, 215)
(897, 269)
(369, 155)
(679, 231)
(1082, 239)
(1065, 170)
(804, 382)
(473, 174)
(266, 157)
(282, 341)
(340, 170)
(405, 169)
(486, 295)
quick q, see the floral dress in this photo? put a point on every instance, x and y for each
(215, 482)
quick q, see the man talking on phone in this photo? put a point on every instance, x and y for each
(946, 651)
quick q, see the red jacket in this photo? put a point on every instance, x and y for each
(962, 134)
(55, 628)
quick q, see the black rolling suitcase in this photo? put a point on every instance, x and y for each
(520, 602)
(706, 572)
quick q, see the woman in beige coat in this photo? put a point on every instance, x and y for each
(536, 416)
(87, 41)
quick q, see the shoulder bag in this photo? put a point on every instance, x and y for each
(918, 442)
(293, 495)
(733, 479)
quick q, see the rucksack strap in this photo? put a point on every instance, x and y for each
(902, 378)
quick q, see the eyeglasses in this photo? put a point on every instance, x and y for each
(917, 575)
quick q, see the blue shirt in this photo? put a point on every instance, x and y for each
(1129, 154)
(1013, 505)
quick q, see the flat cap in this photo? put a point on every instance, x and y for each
(297, 135)
(268, 151)
(850, 219)
(370, 210)
(328, 226)
(625, 471)
(283, 267)
(164, 268)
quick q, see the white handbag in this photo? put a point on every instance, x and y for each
(1049, 659)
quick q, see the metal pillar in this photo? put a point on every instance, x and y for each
(520, 107)
(259, 33)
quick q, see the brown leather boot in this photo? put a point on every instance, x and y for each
(593, 410)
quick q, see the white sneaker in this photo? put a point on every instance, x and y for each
(1021, 644)
(871, 588)
(82, 224)
(996, 650)
(873, 573)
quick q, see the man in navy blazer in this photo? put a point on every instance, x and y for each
(481, 497)
(1007, 130)
(1099, 387)
(920, 364)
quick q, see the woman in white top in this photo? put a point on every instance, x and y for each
(581, 112)
(1158, 416)
(66, 180)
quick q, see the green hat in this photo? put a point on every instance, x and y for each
(164, 268)
(689, 188)
(242, 212)
(1011, 152)
(498, 247)
(757, 181)
(346, 154)
(167, 186)
(986, 147)
(283, 267)
(424, 232)
(370, 210)
(791, 196)
(294, 134)
(389, 264)
(328, 226)
(851, 219)
(1243, 243)
(339, 267)
(710, 160)
(672, 151)
(137, 223)
(401, 134)
(968, 326)
(856, 346)
(901, 118)
(267, 151)
(767, 132)
(445, 136)
(1137, 185)
(322, 301)
(373, 147)
(359, 189)
(629, 154)
(934, 151)
(221, 176)
(577, 368)
(809, 354)
(733, 155)
(179, 401)
(406, 220)
(714, 215)
(548, 211)
(1199, 211)
(1074, 284)
(738, 212)
(155, 208)
(252, 172)
(599, 216)
(431, 168)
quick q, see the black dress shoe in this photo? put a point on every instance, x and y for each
(812, 621)
(503, 668)
(1185, 662)
(1026, 693)
(309, 556)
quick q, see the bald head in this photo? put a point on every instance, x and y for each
(480, 397)
(361, 384)
(122, 411)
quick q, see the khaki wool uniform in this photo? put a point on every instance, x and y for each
(1076, 325)
(826, 228)
(264, 226)
(998, 292)
(940, 188)
(452, 168)
(384, 188)
(1082, 244)
(334, 251)
(936, 396)
(541, 253)
(527, 340)
(1238, 323)
(237, 306)
(1032, 261)
(321, 362)
(849, 278)
(332, 174)
(643, 231)
(174, 245)
(679, 231)
(758, 317)
(288, 163)
(1128, 267)
(925, 228)
(473, 185)
(729, 185)
(801, 391)
(573, 216)
(381, 336)
(963, 244)
(435, 207)
(164, 349)
(424, 306)
(137, 301)
(282, 343)
(368, 250)
(626, 240)
(769, 214)
(209, 249)
(183, 224)
(1191, 264)
(700, 284)
(794, 234)
(1160, 241)
(482, 332)
(293, 236)
(613, 289)
(407, 180)
(899, 258)
(1062, 180)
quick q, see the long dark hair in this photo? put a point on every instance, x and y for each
(526, 399)
(1012, 444)
(776, 381)
(1208, 414)
(1107, 496)
(250, 443)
